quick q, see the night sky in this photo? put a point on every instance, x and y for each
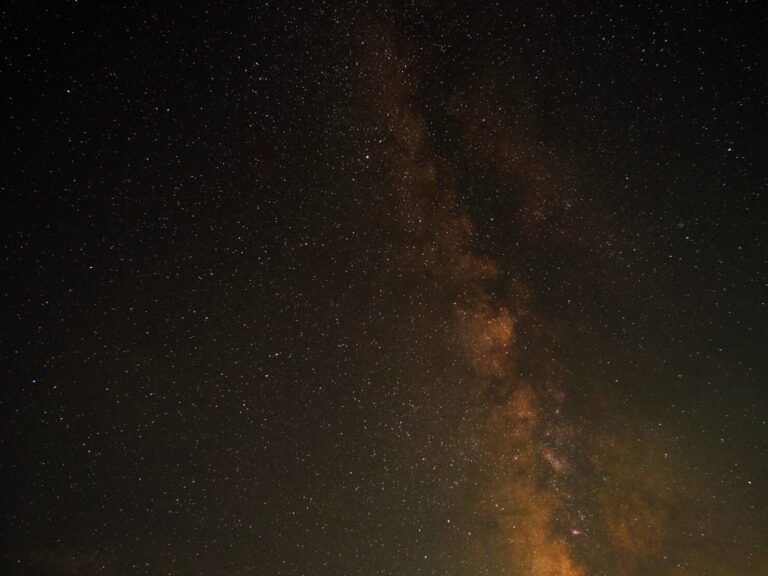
(367, 288)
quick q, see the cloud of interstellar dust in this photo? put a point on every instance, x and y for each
(548, 494)
(519, 499)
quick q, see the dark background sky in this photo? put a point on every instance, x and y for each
(367, 288)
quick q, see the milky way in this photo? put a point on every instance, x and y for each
(521, 466)
(431, 288)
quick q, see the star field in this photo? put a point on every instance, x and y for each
(399, 288)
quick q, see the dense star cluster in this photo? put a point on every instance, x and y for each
(384, 288)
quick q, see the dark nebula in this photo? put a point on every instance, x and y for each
(362, 288)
